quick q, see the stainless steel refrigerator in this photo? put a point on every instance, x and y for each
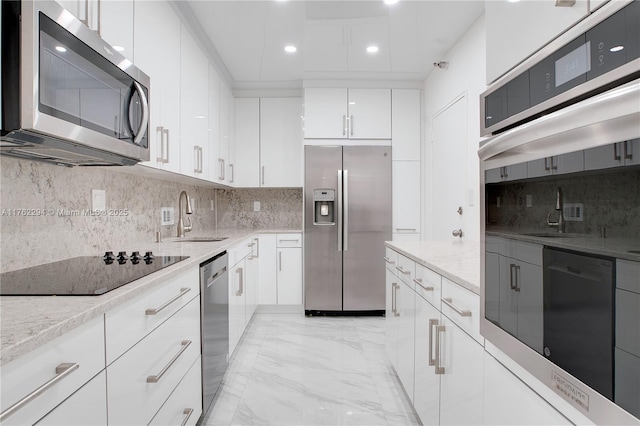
(347, 221)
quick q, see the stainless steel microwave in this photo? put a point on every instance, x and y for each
(67, 96)
(560, 235)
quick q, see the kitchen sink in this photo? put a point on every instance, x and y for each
(201, 239)
(548, 235)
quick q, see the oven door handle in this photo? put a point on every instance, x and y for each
(142, 129)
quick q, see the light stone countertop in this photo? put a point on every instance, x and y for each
(458, 261)
(621, 248)
(27, 322)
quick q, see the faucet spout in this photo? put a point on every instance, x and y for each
(182, 228)
(560, 209)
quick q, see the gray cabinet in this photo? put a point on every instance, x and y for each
(625, 153)
(557, 164)
(506, 173)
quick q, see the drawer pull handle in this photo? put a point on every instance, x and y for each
(62, 371)
(251, 244)
(187, 413)
(290, 241)
(154, 311)
(425, 287)
(388, 260)
(154, 379)
(401, 269)
(462, 312)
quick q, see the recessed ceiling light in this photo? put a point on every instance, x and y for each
(372, 49)
(390, 1)
(118, 48)
(290, 48)
(616, 48)
(200, 117)
(61, 49)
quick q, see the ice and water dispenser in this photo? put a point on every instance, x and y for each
(324, 206)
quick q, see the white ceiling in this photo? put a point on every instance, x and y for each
(331, 37)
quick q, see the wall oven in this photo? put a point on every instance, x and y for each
(560, 172)
(67, 96)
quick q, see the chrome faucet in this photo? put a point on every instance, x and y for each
(559, 207)
(182, 228)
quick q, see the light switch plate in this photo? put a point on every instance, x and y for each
(98, 200)
(256, 206)
(529, 200)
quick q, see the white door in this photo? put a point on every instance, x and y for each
(213, 171)
(236, 304)
(405, 181)
(390, 321)
(158, 31)
(405, 308)
(461, 383)
(405, 124)
(194, 105)
(250, 287)
(225, 118)
(325, 113)
(369, 114)
(267, 258)
(508, 304)
(281, 142)
(247, 143)
(290, 276)
(449, 172)
(530, 303)
(116, 25)
(427, 383)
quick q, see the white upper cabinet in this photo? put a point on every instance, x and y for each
(247, 165)
(347, 113)
(112, 20)
(214, 126)
(281, 145)
(224, 101)
(158, 31)
(194, 106)
(517, 30)
(405, 124)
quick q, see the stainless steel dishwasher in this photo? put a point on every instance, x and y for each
(214, 326)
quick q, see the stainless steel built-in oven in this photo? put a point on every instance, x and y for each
(67, 96)
(560, 287)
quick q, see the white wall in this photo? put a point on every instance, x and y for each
(465, 75)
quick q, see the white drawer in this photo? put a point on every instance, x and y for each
(88, 406)
(391, 259)
(239, 252)
(428, 285)
(628, 275)
(132, 398)
(462, 307)
(21, 377)
(530, 253)
(185, 403)
(289, 240)
(493, 244)
(406, 270)
(127, 324)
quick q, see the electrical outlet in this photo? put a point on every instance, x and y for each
(497, 201)
(529, 200)
(98, 200)
(573, 212)
(256, 206)
(213, 207)
(167, 216)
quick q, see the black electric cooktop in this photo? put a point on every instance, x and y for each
(83, 276)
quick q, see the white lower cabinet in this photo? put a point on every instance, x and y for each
(236, 304)
(390, 322)
(86, 407)
(289, 276)
(83, 346)
(267, 267)
(508, 401)
(426, 399)
(405, 311)
(140, 381)
(184, 406)
(280, 266)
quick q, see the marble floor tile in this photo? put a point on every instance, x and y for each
(289, 369)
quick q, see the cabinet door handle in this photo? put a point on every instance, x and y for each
(628, 153)
(344, 125)
(432, 359)
(187, 413)
(439, 367)
(166, 132)
(388, 260)
(406, 229)
(62, 371)
(397, 313)
(393, 299)
(220, 169)
(232, 172)
(196, 159)
(517, 268)
(554, 166)
(616, 155)
(240, 282)
(263, 175)
(546, 163)
(257, 243)
(512, 281)
(155, 379)
(401, 269)
(154, 311)
(224, 170)
(160, 130)
(201, 161)
(290, 241)
(462, 312)
(351, 124)
(419, 282)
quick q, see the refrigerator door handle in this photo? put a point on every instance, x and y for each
(345, 190)
(339, 210)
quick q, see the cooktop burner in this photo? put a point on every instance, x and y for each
(83, 276)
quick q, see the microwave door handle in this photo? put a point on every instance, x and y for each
(145, 113)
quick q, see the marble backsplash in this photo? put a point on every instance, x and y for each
(610, 199)
(43, 211)
(279, 208)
